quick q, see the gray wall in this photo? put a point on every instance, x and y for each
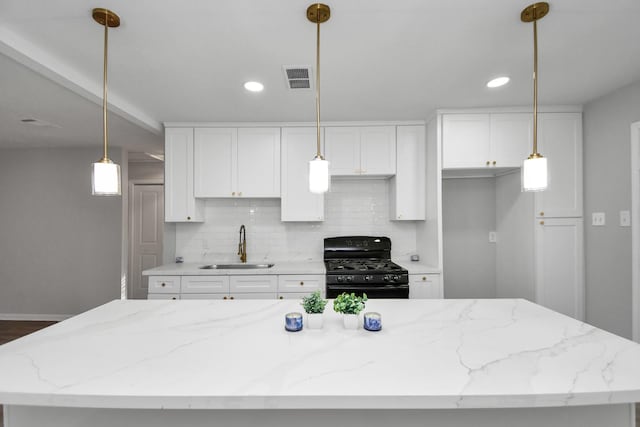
(607, 188)
(468, 214)
(60, 247)
(146, 170)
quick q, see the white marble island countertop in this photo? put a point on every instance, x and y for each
(237, 355)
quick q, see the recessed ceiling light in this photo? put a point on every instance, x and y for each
(254, 86)
(498, 81)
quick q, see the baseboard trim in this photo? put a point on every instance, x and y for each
(35, 317)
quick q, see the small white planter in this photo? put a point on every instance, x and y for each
(350, 321)
(314, 321)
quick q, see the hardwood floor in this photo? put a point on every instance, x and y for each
(10, 330)
(13, 329)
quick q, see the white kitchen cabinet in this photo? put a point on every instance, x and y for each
(231, 162)
(560, 141)
(485, 140)
(425, 286)
(164, 284)
(180, 202)
(356, 151)
(305, 284)
(239, 284)
(407, 187)
(559, 265)
(164, 296)
(205, 285)
(298, 147)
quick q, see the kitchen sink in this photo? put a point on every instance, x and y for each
(234, 266)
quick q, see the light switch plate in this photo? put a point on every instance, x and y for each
(625, 219)
(492, 237)
(598, 219)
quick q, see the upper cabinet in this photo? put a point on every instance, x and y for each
(408, 187)
(237, 162)
(299, 146)
(366, 150)
(485, 140)
(560, 141)
(180, 203)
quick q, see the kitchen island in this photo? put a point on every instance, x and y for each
(231, 363)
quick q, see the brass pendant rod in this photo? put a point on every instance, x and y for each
(535, 87)
(104, 93)
(319, 155)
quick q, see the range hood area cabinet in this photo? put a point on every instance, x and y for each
(485, 140)
(237, 162)
(407, 188)
(361, 150)
(297, 148)
(180, 205)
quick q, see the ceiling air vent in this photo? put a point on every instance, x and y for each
(298, 77)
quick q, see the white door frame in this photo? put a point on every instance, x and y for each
(635, 227)
(132, 183)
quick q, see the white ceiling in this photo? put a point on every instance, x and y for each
(393, 60)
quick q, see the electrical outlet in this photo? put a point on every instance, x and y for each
(492, 237)
(625, 219)
(598, 219)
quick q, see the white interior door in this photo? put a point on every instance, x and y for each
(145, 235)
(635, 227)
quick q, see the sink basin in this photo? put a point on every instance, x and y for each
(234, 266)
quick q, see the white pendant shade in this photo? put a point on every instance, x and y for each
(534, 174)
(105, 179)
(318, 176)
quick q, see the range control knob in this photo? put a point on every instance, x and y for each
(349, 278)
(386, 278)
(368, 278)
(340, 279)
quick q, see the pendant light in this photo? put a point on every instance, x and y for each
(318, 167)
(105, 175)
(534, 168)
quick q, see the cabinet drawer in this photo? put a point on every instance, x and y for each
(297, 295)
(164, 296)
(205, 284)
(164, 284)
(253, 295)
(304, 284)
(219, 296)
(261, 284)
(424, 286)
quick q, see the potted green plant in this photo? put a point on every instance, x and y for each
(313, 305)
(350, 305)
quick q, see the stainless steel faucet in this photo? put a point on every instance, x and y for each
(242, 245)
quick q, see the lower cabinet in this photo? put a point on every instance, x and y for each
(425, 286)
(231, 287)
(559, 265)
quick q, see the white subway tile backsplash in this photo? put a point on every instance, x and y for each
(352, 207)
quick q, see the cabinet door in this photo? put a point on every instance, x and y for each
(342, 150)
(465, 140)
(425, 286)
(511, 139)
(560, 141)
(164, 284)
(378, 150)
(297, 202)
(258, 162)
(205, 284)
(215, 158)
(180, 204)
(253, 284)
(304, 284)
(560, 265)
(407, 187)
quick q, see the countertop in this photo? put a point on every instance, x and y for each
(280, 267)
(236, 355)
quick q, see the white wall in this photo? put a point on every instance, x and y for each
(469, 260)
(352, 207)
(607, 188)
(60, 247)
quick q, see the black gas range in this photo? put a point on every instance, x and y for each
(362, 264)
